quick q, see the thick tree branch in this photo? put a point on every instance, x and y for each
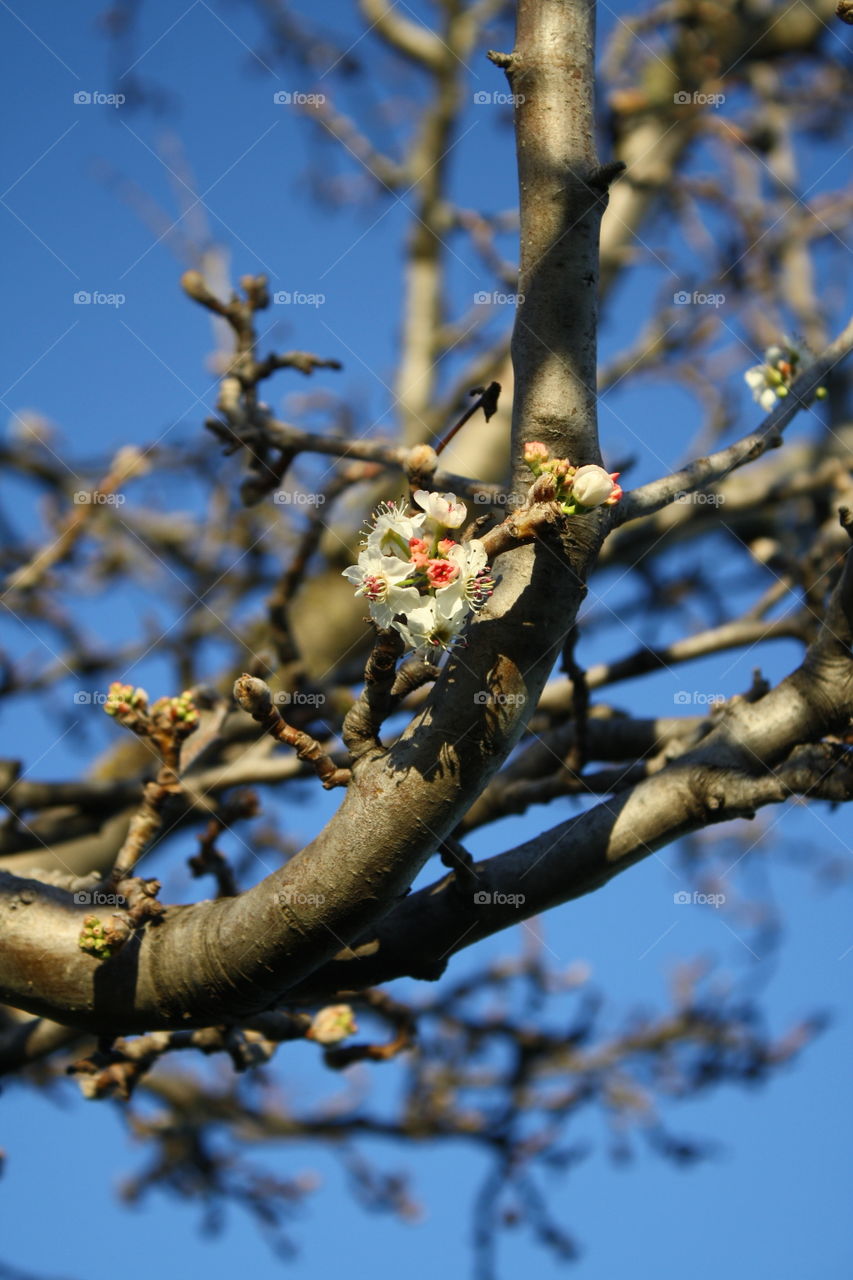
(554, 339)
(759, 753)
(224, 959)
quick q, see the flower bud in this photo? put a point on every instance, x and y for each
(130, 462)
(194, 285)
(535, 456)
(333, 1024)
(230, 390)
(421, 461)
(592, 486)
(253, 695)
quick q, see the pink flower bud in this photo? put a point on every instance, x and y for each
(418, 552)
(592, 486)
(535, 456)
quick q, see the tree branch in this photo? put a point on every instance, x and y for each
(706, 471)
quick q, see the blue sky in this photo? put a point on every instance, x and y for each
(134, 372)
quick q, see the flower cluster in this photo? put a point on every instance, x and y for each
(415, 578)
(130, 707)
(578, 488)
(123, 699)
(93, 938)
(783, 363)
(180, 711)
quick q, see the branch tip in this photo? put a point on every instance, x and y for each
(503, 60)
(602, 177)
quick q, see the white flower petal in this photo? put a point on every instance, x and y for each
(435, 622)
(397, 600)
(444, 508)
(450, 601)
(470, 557)
(372, 564)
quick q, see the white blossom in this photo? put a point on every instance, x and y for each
(392, 529)
(443, 508)
(471, 558)
(378, 578)
(437, 620)
(765, 391)
(416, 580)
(783, 362)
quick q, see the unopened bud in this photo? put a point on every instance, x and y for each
(333, 1024)
(592, 486)
(422, 461)
(253, 695)
(194, 285)
(230, 390)
(256, 289)
(535, 455)
(130, 461)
